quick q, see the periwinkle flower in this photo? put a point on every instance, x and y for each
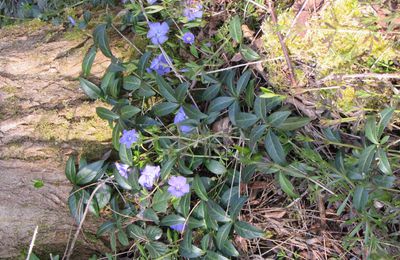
(129, 137)
(71, 20)
(180, 117)
(178, 227)
(178, 186)
(151, 2)
(193, 10)
(188, 38)
(148, 175)
(158, 33)
(160, 65)
(122, 169)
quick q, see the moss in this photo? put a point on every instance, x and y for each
(74, 34)
(9, 89)
(29, 25)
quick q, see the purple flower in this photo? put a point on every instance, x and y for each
(148, 175)
(151, 2)
(122, 169)
(71, 20)
(178, 186)
(193, 10)
(188, 38)
(178, 227)
(179, 117)
(129, 137)
(158, 33)
(160, 65)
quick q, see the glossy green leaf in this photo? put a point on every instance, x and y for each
(386, 115)
(122, 238)
(278, 117)
(142, 65)
(122, 181)
(222, 234)
(210, 92)
(360, 198)
(248, 231)
(199, 188)
(181, 92)
(103, 196)
(193, 112)
(215, 167)
(129, 111)
(287, 186)
(220, 103)
(383, 162)
(156, 249)
(245, 120)
(235, 29)
(90, 89)
(243, 82)
(108, 78)
(214, 256)
(160, 201)
(151, 215)
(274, 148)
(153, 232)
(293, 123)
(371, 131)
(165, 89)
(216, 212)
(255, 135)
(260, 108)
(184, 205)
(116, 136)
(70, 170)
(236, 206)
(165, 108)
(101, 39)
(88, 61)
(366, 158)
(105, 227)
(248, 53)
(125, 154)
(106, 114)
(136, 232)
(131, 83)
(172, 220)
(89, 172)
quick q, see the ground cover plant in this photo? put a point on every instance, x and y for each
(205, 143)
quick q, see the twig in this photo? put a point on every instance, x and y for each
(283, 45)
(360, 76)
(32, 243)
(82, 220)
(126, 39)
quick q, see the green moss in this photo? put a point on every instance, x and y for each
(29, 25)
(9, 89)
(74, 34)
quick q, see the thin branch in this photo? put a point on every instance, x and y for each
(32, 243)
(359, 76)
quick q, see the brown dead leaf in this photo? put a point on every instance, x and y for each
(237, 57)
(241, 244)
(247, 33)
(275, 214)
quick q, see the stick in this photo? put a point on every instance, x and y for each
(283, 45)
(32, 243)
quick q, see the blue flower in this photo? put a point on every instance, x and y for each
(178, 186)
(160, 65)
(179, 117)
(178, 227)
(158, 33)
(71, 20)
(148, 175)
(188, 38)
(129, 137)
(193, 11)
(151, 2)
(122, 169)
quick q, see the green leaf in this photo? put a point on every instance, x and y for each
(122, 181)
(156, 249)
(160, 201)
(210, 92)
(122, 238)
(114, 88)
(383, 163)
(386, 115)
(184, 205)
(181, 92)
(172, 220)
(255, 135)
(274, 148)
(215, 167)
(129, 111)
(220, 103)
(88, 61)
(286, 185)
(233, 111)
(193, 112)
(75, 204)
(165, 89)
(370, 130)
(214, 256)
(113, 241)
(106, 114)
(366, 158)
(165, 108)
(199, 188)
(70, 170)
(136, 232)
(153, 233)
(116, 136)
(216, 212)
(235, 29)
(245, 120)
(105, 227)
(243, 81)
(360, 198)
(151, 215)
(167, 167)
(131, 83)
(101, 39)
(293, 123)
(143, 62)
(248, 53)
(260, 108)
(248, 231)
(222, 234)
(278, 117)
(229, 249)
(236, 206)
(103, 196)
(89, 172)
(90, 89)
(186, 249)
(125, 154)
(249, 96)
